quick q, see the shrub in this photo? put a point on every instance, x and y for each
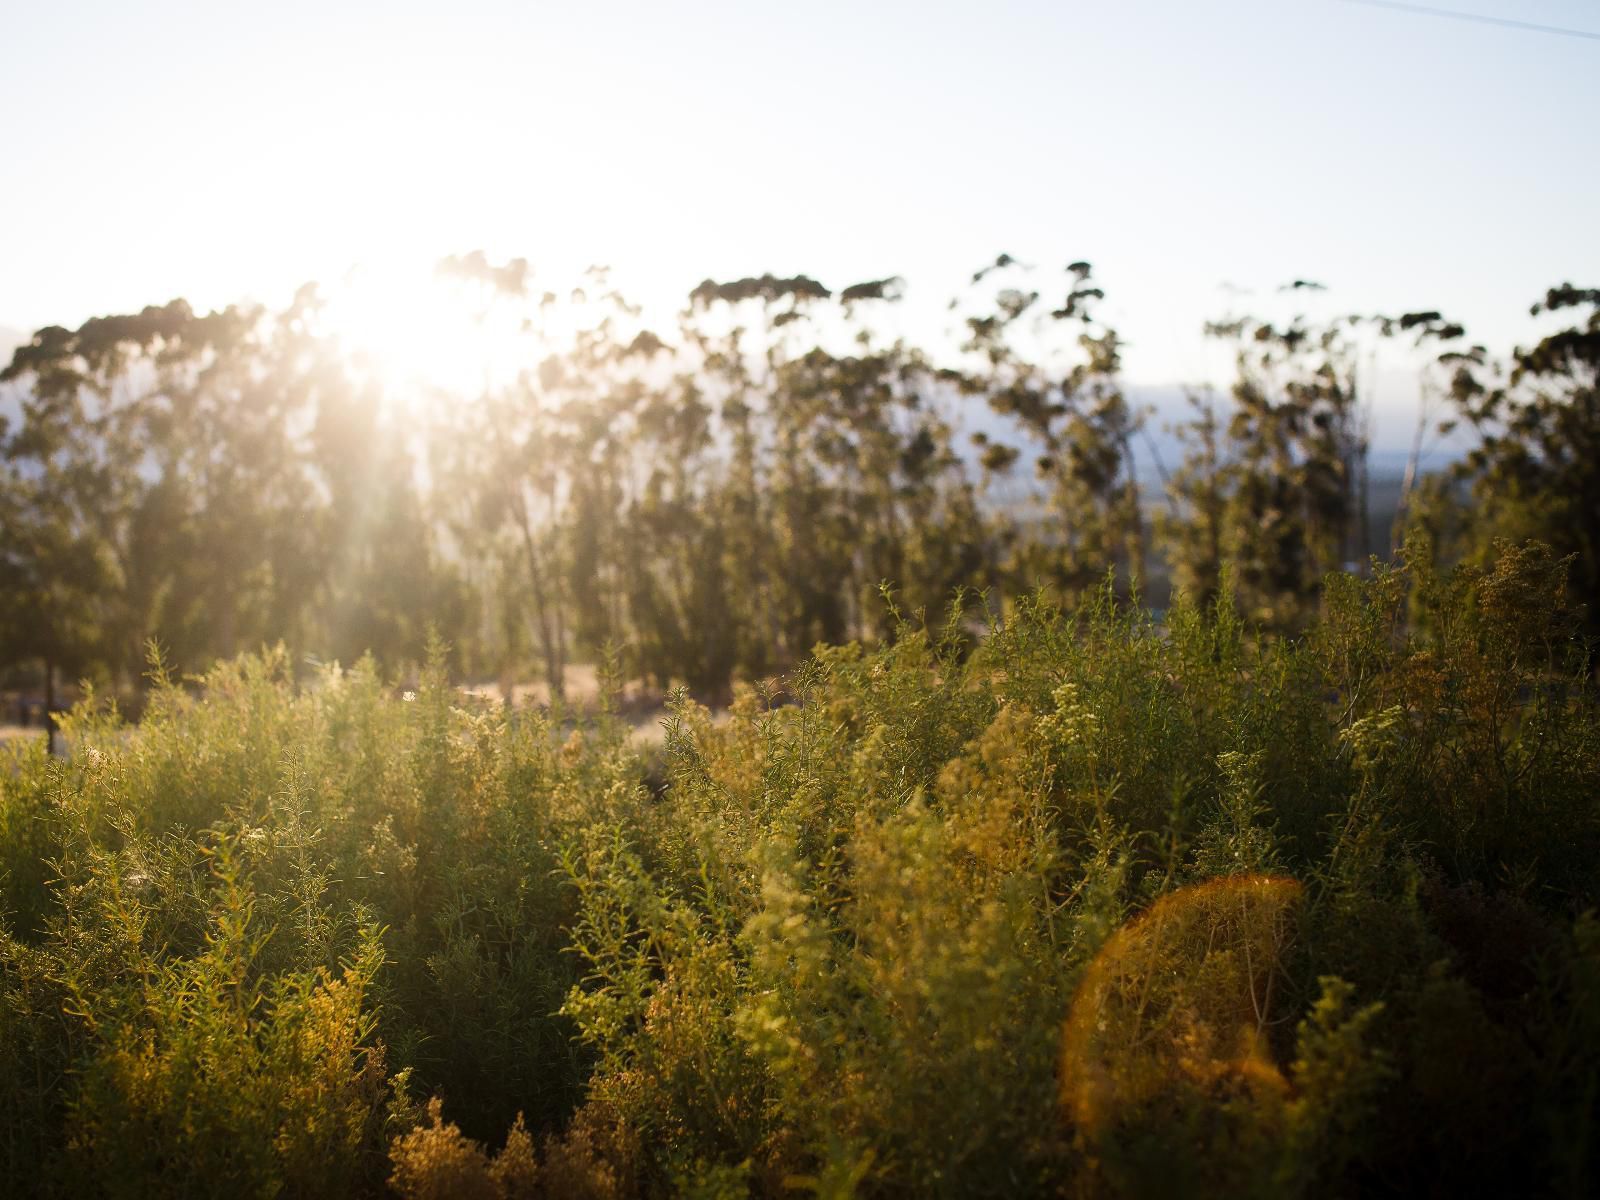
(1092, 904)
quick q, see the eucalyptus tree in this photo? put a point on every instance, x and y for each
(681, 582)
(1432, 332)
(1535, 471)
(1194, 533)
(1075, 419)
(1276, 486)
(837, 442)
(1279, 491)
(57, 571)
(507, 461)
(776, 420)
(160, 447)
(733, 382)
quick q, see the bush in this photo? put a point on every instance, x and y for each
(1091, 905)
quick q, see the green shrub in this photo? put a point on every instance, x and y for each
(1090, 905)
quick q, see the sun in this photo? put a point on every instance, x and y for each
(425, 336)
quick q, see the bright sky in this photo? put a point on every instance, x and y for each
(220, 150)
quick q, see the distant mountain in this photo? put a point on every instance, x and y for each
(1167, 408)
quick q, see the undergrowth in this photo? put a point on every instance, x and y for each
(1093, 904)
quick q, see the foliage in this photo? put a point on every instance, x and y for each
(711, 501)
(1090, 905)
(1536, 470)
(260, 916)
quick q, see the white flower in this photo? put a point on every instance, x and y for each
(1073, 723)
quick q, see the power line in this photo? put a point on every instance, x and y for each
(1505, 22)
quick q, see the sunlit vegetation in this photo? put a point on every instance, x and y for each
(709, 502)
(1090, 904)
(1019, 826)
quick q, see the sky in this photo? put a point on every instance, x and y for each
(1199, 152)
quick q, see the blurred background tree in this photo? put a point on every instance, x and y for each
(714, 503)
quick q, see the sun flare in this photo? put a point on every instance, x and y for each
(423, 335)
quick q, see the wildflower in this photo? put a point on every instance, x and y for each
(572, 749)
(1073, 723)
(1369, 737)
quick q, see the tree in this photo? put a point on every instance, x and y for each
(1535, 472)
(1078, 422)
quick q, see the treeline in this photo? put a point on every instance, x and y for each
(712, 504)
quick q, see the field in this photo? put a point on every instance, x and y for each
(1090, 905)
(756, 602)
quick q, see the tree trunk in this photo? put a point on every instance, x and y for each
(547, 644)
(49, 706)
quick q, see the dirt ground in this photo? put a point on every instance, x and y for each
(641, 707)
